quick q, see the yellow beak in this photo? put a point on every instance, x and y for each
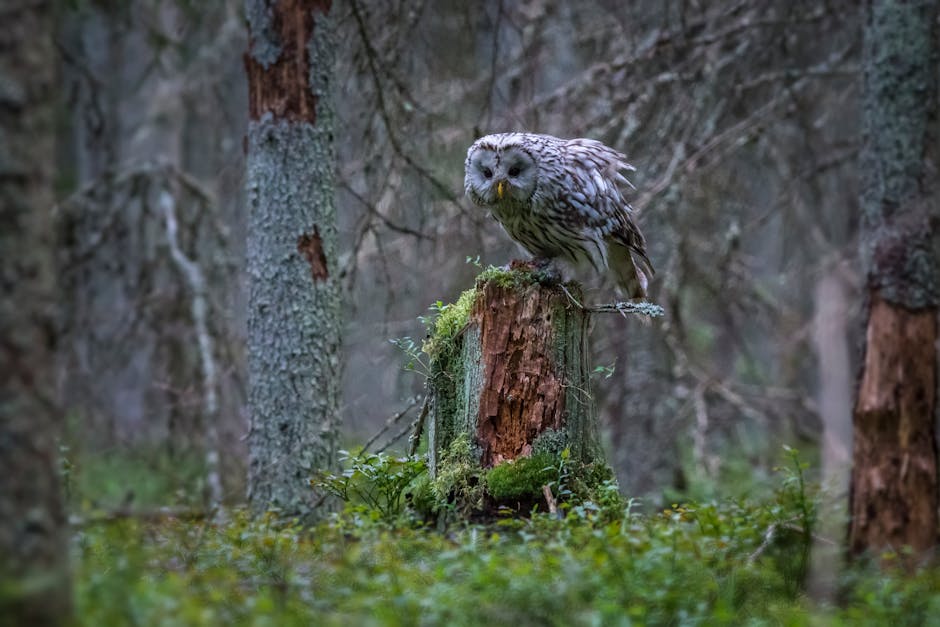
(500, 189)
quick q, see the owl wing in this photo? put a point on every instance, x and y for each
(595, 192)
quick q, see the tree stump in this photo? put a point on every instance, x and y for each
(510, 381)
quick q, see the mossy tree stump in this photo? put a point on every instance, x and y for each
(510, 380)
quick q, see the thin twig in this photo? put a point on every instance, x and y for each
(154, 515)
(772, 531)
(388, 424)
(550, 500)
(768, 538)
(395, 438)
(622, 307)
(644, 308)
(418, 426)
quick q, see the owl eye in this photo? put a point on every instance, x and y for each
(514, 171)
(487, 173)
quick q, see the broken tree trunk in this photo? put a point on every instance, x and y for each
(517, 370)
(510, 381)
(894, 489)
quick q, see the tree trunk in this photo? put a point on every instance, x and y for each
(834, 399)
(294, 323)
(34, 580)
(514, 378)
(894, 479)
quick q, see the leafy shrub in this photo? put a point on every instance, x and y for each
(375, 480)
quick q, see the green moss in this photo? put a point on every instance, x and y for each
(522, 478)
(452, 319)
(444, 346)
(458, 481)
(506, 278)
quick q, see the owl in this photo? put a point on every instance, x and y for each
(561, 199)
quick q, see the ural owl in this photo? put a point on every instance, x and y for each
(561, 198)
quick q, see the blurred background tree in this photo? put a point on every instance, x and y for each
(35, 585)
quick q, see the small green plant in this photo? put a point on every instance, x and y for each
(415, 358)
(375, 480)
(796, 497)
(795, 490)
(605, 371)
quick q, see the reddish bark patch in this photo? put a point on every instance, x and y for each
(522, 393)
(311, 247)
(894, 474)
(283, 87)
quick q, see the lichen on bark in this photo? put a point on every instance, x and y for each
(294, 299)
(899, 86)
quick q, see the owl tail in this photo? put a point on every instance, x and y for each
(631, 276)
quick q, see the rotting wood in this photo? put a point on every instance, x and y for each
(523, 389)
(278, 76)
(516, 374)
(895, 470)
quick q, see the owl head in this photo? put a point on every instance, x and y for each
(501, 169)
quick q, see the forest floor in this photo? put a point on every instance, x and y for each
(725, 562)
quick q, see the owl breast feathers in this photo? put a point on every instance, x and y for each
(561, 198)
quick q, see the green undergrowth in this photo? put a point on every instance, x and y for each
(731, 562)
(141, 477)
(392, 488)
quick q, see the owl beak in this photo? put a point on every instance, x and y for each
(500, 189)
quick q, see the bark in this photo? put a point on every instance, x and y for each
(34, 581)
(894, 479)
(517, 373)
(894, 489)
(293, 320)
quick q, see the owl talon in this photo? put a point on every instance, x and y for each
(546, 273)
